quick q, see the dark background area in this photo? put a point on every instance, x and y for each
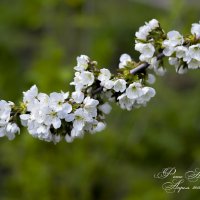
(39, 42)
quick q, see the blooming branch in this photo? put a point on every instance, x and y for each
(64, 115)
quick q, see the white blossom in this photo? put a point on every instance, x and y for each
(180, 69)
(56, 101)
(90, 106)
(56, 138)
(7, 128)
(81, 117)
(5, 110)
(76, 133)
(125, 102)
(108, 84)
(65, 113)
(195, 30)
(182, 52)
(124, 60)
(100, 126)
(68, 138)
(168, 50)
(173, 61)
(119, 85)
(156, 66)
(134, 90)
(146, 29)
(30, 94)
(194, 52)
(151, 79)
(78, 96)
(147, 50)
(160, 71)
(105, 108)
(174, 38)
(108, 94)
(83, 79)
(104, 75)
(87, 78)
(143, 32)
(153, 24)
(193, 64)
(52, 118)
(82, 63)
(148, 93)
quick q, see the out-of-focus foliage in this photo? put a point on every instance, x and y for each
(39, 41)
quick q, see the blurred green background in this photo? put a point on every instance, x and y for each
(39, 42)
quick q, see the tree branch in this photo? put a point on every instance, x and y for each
(145, 65)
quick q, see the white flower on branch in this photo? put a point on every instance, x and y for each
(100, 126)
(81, 117)
(104, 78)
(148, 93)
(105, 108)
(83, 79)
(195, 30)
(125, 102)
(193, 64)
(7, 128)
(119, 85)
(134, 90)
(147, 50)
(90, 106)
(124, 60)
(107, 84)
(5, 110)
(143, 32)
(174, 38)
(64, 115)
(194, 52)
(11, 130)
(157, 67)
(153, 24)
(30, 94)
(182, 52)
(78, 96)
(82, 63)
(56, 101)
(104, 75)
(146, 29)
(151, 79)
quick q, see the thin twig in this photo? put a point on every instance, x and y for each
(145, 65)
(97, 90)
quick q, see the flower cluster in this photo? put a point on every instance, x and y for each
(183, 53)
(44, 113)
(147, 44)
(145, 30)
(71, 115)
(58, 115)
(128, 93)
(7, 125)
